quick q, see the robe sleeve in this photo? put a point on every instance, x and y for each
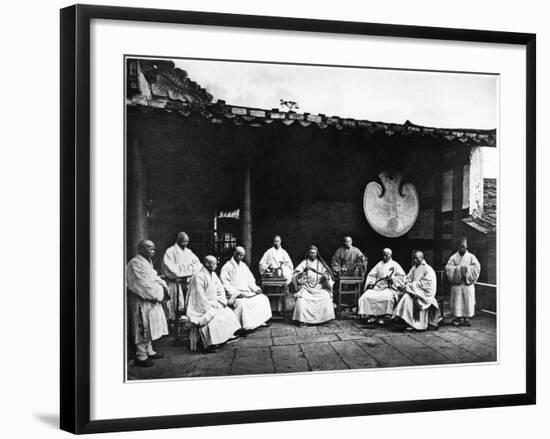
(169, 265)
(251, 281)
(398, 276)
(138, 282)
(335, 262)
(372, 276)
(424, 288)
(195, 264)
(452, 270)
(328, 282)
(359, 257)
(220, 291)
(472, 271)
(199, 309)
(230, 290)
(264, 263)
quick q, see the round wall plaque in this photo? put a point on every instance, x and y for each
(391, 210)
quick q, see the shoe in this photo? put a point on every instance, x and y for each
(143, 363)
(212, 349)
(381, 322)
(157, 356)
(432, 328)
(409, 329)
(466, 324)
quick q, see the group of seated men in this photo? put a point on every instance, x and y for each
(232, 305)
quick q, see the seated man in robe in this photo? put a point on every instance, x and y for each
(179, 263)
(381, 290)
(314, 282)
(347, 258)
(207, 307)
(251, 307)
(348, 261)
(146, 293)
(463, 271)
(276, 261)
(418, 306)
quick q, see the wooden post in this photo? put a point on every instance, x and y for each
(136, 198)
(246, 221)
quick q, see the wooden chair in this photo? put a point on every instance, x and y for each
(355, 284)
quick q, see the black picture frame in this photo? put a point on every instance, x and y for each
(75, 217)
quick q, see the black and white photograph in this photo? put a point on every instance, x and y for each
(299, 218)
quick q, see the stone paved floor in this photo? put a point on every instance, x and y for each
(340, 344)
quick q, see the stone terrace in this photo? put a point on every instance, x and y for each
(337, 345)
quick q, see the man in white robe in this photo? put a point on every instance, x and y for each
(277, 257)
(463, 271)
(251, 307)
(207, 307)
(146, 292)
(381, 290)
(178, 265)
(314, 283)
(276, 262)
(418, 306)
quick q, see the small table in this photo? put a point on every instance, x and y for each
(355, 284)
(278, 284)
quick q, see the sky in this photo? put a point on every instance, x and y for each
(444, 100)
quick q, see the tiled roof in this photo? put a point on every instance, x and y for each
(221, 113)
(487, 221)
(168, 88)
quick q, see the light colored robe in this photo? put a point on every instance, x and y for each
(251, 307)
(344, 257)
(381, 299)
(275, 258)
(177, 263)
(314, 295)
(145, 296)
(207, 308)
(463, 272)
(420, 285)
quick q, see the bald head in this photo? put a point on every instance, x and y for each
(146, 248)
(182, 239)
(210, 262)
(462, 245)
(387, 254)
(239, 253)
(418, 258)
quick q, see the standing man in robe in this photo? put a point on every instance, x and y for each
(146, 292)
(207, 307)
(274, 259)
(178, 265)
(463, 271)
(314, 282)
(251, 307)
(418, 306)
(381, 290)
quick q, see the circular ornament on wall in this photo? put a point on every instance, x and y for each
(391, 209)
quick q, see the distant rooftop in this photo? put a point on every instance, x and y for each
(487, 221)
